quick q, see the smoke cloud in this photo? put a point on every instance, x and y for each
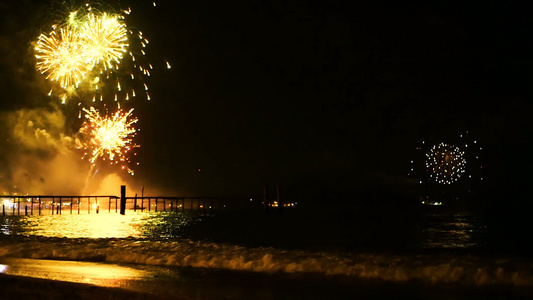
(38, 137)
(39, 158)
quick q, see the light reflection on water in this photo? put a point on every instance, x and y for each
(103, 225)
(459, 230)
(72, 271)
(432, 230)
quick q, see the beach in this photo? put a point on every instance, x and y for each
(168, 255)
(197, 283)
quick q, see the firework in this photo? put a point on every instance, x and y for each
(109, 137)
(106, 40)
(445, 163)
(60, 55)
(92, 50)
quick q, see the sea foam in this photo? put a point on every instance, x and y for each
(432, 268)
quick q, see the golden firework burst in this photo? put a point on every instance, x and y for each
(60, 56)
(109, 137)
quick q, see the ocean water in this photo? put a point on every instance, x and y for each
(435, 247)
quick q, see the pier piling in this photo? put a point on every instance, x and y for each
(122, 199)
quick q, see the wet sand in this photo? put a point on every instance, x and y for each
(85, 280)
(17, 287)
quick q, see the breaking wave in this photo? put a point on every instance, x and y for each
(432, 268)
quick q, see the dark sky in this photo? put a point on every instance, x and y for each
(316, 95)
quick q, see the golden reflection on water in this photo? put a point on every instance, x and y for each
(108, 275)
(455, 231)
(103, 225)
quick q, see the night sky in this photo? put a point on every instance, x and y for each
(326, 98)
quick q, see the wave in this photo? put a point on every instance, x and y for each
(433, 268)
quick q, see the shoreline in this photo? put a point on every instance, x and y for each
(23, 287)
(201, 283)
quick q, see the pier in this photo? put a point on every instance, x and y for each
(46, 204)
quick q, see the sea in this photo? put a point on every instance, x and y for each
(320, 252)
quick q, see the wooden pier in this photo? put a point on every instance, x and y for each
(40, 205)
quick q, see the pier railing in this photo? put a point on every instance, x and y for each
(38, 205)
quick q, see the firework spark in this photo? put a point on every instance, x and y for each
(445, 163)
(91, 50)
(60, 55)
(109, 137)
(106, 40)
